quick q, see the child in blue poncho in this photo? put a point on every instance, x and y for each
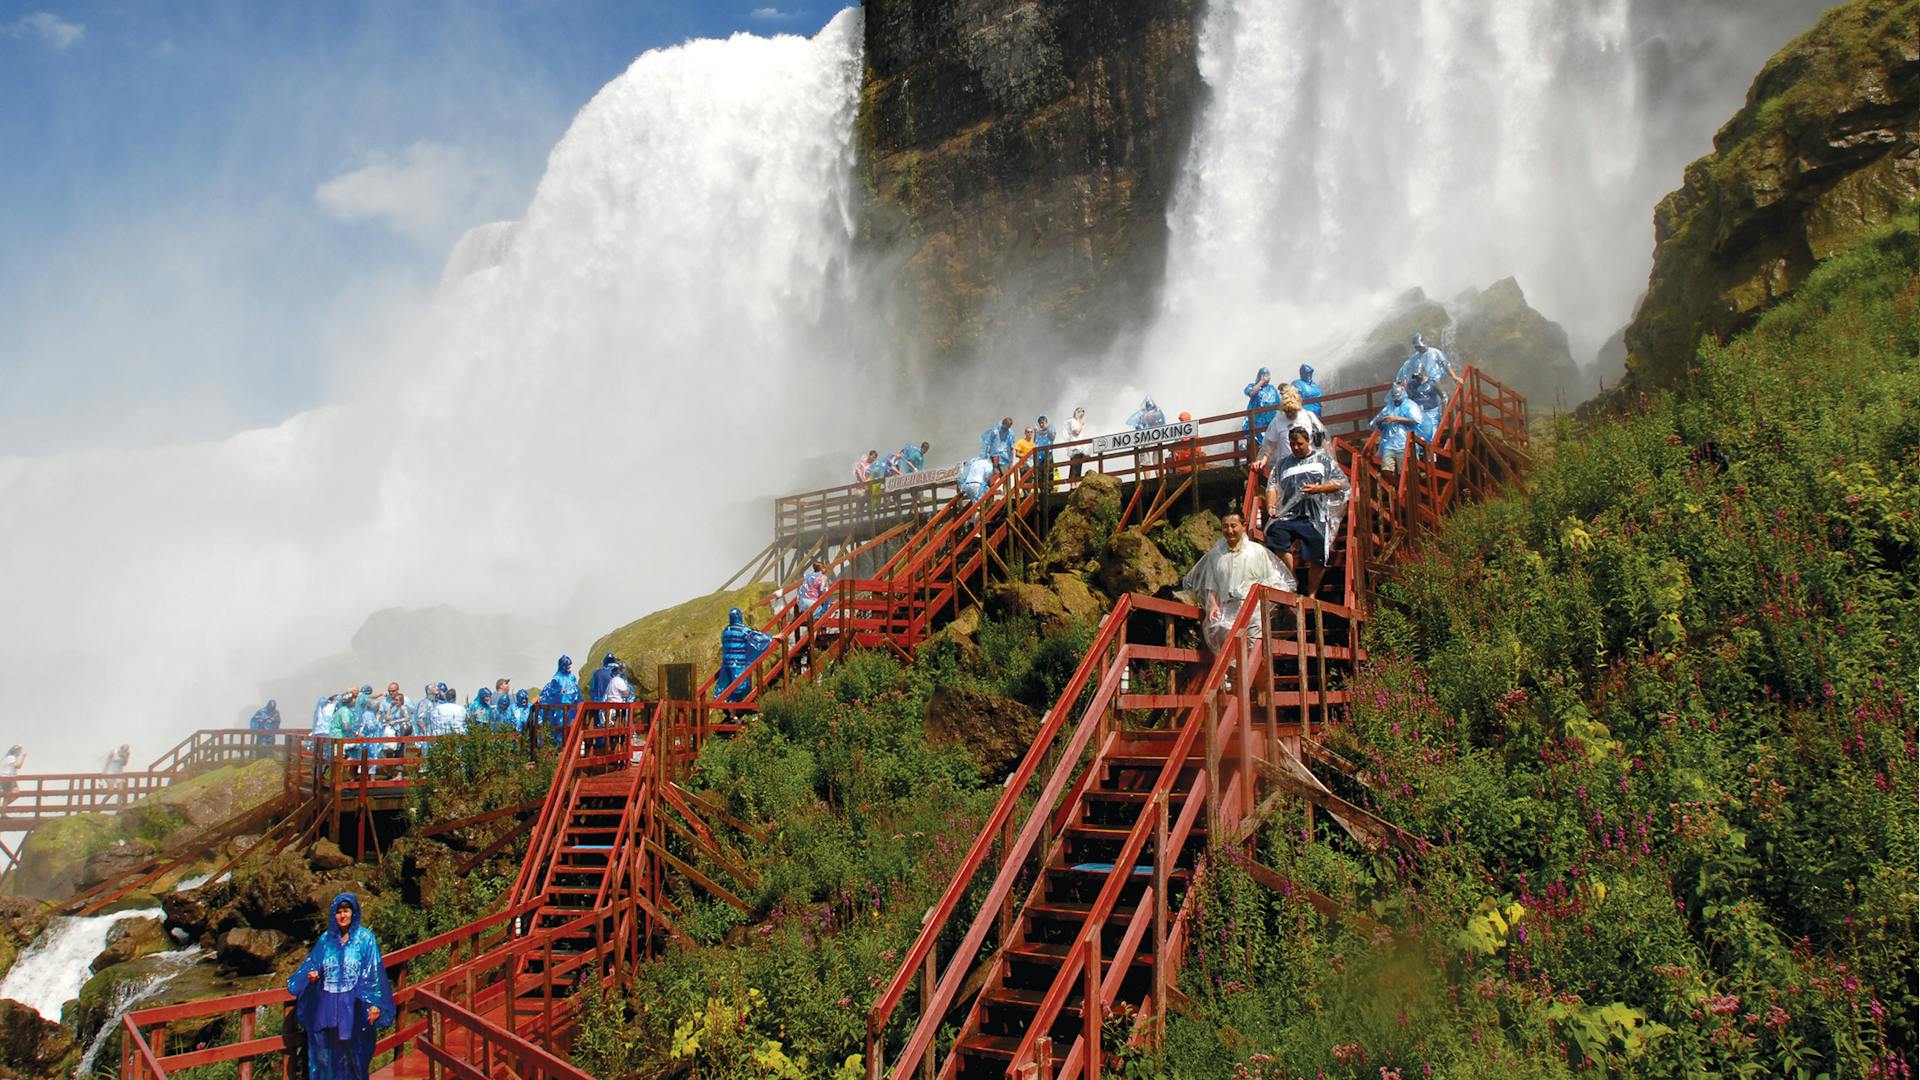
(342, 996)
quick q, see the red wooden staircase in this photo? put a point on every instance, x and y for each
(1085, 914)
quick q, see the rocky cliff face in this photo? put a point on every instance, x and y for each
(1494, 329)
(1826, 148)
(1018, 157)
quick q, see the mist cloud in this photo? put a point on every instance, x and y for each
(426, 193)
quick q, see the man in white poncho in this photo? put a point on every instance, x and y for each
(1223, 578)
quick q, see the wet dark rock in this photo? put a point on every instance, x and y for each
(131, 939)
(251, 952)
(325, 856)
(32, 1045)
(1020, 156)
(994, 729)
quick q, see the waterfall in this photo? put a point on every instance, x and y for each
(131, 993)
(577, 429)
(1349, 152)
(52, 969)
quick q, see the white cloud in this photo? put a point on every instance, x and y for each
(165, 48)
(773, 14)
(59, 34)
(427, 193)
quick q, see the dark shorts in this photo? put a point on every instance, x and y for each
(1282, 534)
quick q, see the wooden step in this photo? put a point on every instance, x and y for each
(1118, 834)
(1054, 953)
(1156, 701)
(1001, 1047)
(1076, 911)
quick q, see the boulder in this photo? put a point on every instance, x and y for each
(53, 856)
(113, 861)
(994, 729)
(1078, 598)
(1080, 531)
(251, 952)
(203, 800)
(325, 856)
(276, 895)
(1185, 541)
(131, 939)
(1021, 599)
(31, 1045)
(1098, 497)
(1134, 563)
(192, 912)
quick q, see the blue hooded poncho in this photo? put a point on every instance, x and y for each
(332, 1009)
(740, 646)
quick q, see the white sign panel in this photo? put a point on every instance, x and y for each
(1153, 436)
(923, 478)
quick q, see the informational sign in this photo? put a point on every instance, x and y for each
(1147, 437)
(923, 478)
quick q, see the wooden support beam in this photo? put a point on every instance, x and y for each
(698, 878)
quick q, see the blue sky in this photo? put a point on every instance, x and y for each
(201, 203)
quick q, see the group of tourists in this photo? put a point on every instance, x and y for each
(871, 467)
(359, 714)
(1415, 403)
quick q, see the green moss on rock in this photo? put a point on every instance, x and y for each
(1826, 149)
(687, 633)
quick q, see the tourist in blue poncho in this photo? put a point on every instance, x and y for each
(342, 995)
(740, 646)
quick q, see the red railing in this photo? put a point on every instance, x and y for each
(1225, 786)
(144, 1031)
(1216, 720)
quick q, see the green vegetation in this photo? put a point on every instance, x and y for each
(867, 820)
(1654, 714)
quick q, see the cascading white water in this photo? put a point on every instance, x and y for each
(167, 967)
(1349, 152)
(52, 969)
(579, 425)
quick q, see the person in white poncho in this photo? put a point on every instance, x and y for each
(1223, 578)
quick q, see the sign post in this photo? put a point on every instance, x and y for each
(1146, 437)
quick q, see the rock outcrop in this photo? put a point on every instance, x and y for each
(684, 633)
(1500, 332)
(995, 730)
(1826, 149)
(1019, 156)
(1494, 329)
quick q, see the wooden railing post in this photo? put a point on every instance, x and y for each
(246, 1035)
(1090, 1020)
(1162, 863)
(929, 978)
